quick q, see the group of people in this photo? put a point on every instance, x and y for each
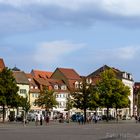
(93, 118)
(39, 118)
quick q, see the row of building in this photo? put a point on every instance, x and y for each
(62, 80)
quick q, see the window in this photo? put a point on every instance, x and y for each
(59, 104)
(33, 104)
(23, 91)
(63, 87)
(29, 79)
(129, 76)
(89, 80)
(35, 95)
(55, 86)
(76, 84)
(62, 104)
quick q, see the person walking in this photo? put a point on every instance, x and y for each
(47, 119)
(36, 120)
(41, 119)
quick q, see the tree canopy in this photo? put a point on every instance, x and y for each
(8, 90)
(112, 91)
(46, 99)
(85, 97)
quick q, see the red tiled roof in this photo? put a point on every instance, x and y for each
(72, 84)
(55, 81)
(29, 75)
(31, 79)
(2, 65)
(70, 73)
(42, 81)
(41, 74)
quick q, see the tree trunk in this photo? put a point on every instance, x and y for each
(116, 114)
(107, 114)
(85, 115)
(68, 115)
(3, 106)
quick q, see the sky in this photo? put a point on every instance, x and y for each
(79, 34)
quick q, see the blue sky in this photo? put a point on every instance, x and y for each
(79, 34)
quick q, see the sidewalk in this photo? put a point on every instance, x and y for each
(32, 124)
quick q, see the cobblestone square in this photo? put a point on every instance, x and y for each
(73, 131)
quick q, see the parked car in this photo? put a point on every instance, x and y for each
(75, 117)
(110, 117)
(19, 118)
(31, 117)
(126, 117)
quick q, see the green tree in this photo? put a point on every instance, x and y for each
(25, 104)
(46, 99)
(120, 95)
(112, 92)
(8, 90)
(84, 97)
(94, 101)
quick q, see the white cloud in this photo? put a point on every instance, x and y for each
(26, 15)
(123, 7)
(50, 53)
(127, 53)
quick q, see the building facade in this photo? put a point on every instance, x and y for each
(23, 84)
(126, 78)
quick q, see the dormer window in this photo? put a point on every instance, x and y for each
(29, 79)
(124, 75)
(129, 76)
(76, 84)
(36, 87)
(55, 86)
(63, 87)
(89, 80)
(32, 87)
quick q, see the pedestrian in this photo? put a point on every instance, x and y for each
(41, 119)
(47, 119)
(82, 119)
(79, 119)
(36, 119)
(95, 118)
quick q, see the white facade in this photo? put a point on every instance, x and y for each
(61, 98)
(130, 84)
(23, 90)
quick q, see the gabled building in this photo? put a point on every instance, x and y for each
(72, 81)
(43, 79)
(125, 77)
(34, 92)
(23, 84)
(70, 77)
(61, 92)
(41, 74)
(42, 83)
